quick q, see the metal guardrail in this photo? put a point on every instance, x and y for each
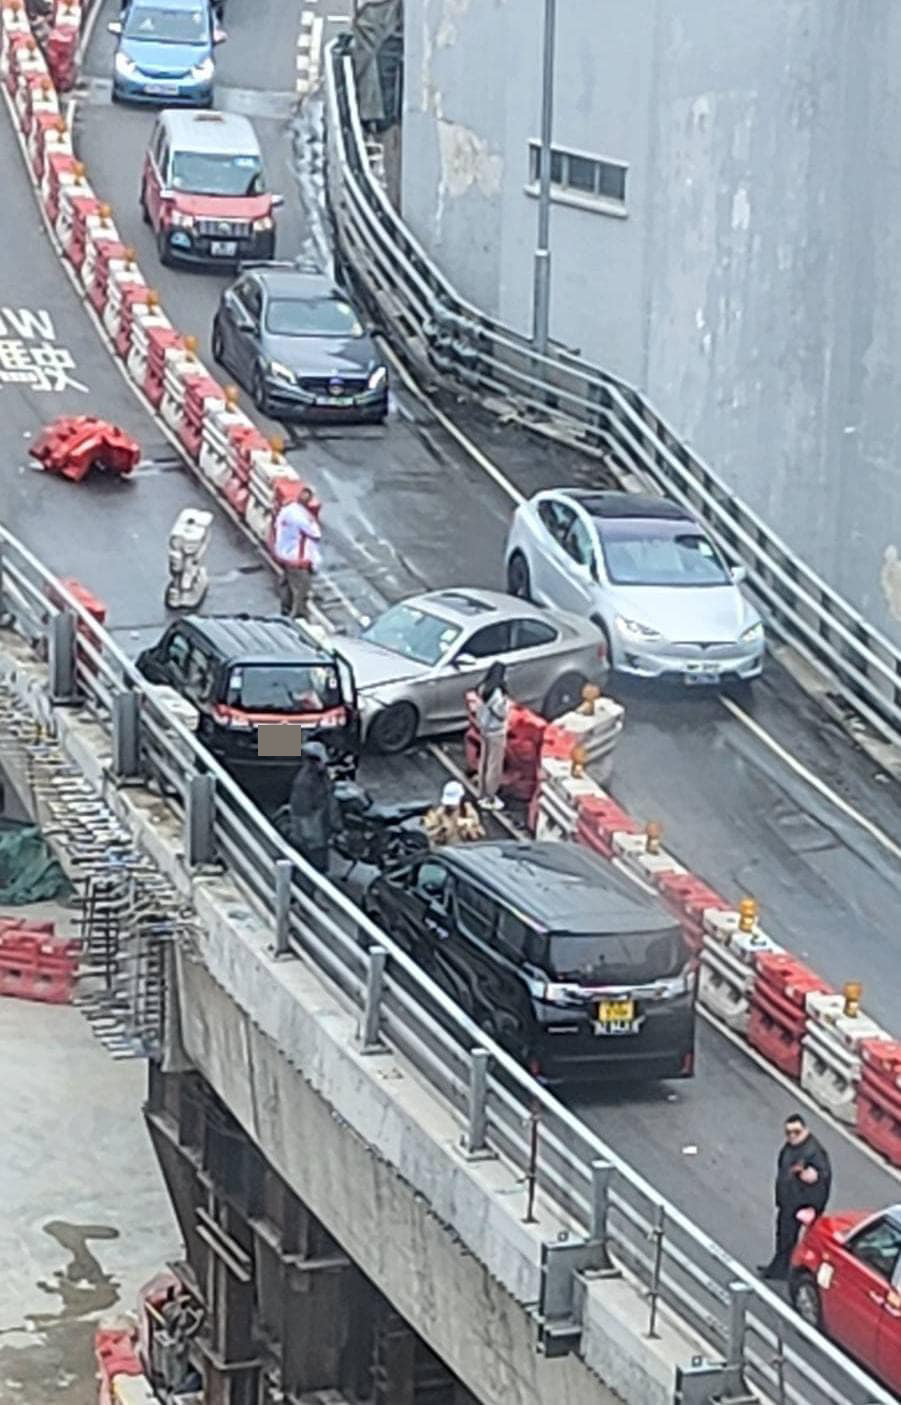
(437, 331)
(502, 1110)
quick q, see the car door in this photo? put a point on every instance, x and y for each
(167, 663)
(471, 954)
(863, 1273)
(420, 901)
(154, 175)
(531, 667)
(238, 329)
(462, 670)
(580, 584)
(551, 566)
(888, 1344)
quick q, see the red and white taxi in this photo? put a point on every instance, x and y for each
(846, 1279)
(203, 190)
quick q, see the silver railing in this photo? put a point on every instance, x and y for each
(441, 335)
(502, 1110)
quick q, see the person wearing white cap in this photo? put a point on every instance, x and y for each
(455, 820)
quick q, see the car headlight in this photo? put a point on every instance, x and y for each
(263, 223)
(179, 220)
(203, 71)
(124, 66)
(378, 378)
(634, 629)
(753, 634)
(282, 372)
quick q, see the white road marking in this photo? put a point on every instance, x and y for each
(820, 786)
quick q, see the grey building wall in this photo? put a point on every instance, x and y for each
(752, 285)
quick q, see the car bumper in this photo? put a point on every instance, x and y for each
(147, 91)
(692, 666)
(292, 402)
(183, 246)
(663, 1048)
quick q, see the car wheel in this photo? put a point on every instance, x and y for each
(217, 346)
(394, 728)
(805, 1296)
(260, 393)
(519, 582)
(564, 695)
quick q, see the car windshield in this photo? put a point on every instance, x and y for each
(642, 552)
(283, 688)
(312, 317)
(631, 958)
(416, 635)
(209, 173)
(165, 26)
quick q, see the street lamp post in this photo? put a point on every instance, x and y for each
(541, 292)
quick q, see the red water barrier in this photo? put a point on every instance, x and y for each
(879, 1097)
(37, 966)
(62, 47)
(198, 389)
(243, 439)
(73, 444)
(159, 339)
(23, 924)
(599, 819)
(778, 1017)
(115, 1353)
(689, 898)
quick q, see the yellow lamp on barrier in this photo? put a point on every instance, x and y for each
(852, 991)
(653, 833)
(747, 915)
(590, 694)
(578, 758)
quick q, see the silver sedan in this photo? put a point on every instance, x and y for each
(415, 664)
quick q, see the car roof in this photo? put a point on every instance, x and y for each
(558, 887)
(258, 639)
(466, 605)
(165, 4)
(193, 130)
(611, 504)
(290, 282)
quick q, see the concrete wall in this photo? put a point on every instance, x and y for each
(753, 289)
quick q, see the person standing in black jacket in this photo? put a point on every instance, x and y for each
(315, 813)
(803, 1182)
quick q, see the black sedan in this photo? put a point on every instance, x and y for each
(293, 339)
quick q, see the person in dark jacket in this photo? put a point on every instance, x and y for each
(803, 1182)
(315, 814)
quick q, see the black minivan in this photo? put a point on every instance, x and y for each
(572, 967)
(243, 671)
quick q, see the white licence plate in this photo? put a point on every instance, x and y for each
(336, 400)
(162, 90)
(223, 248)
(701, 677)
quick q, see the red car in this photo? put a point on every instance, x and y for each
(846, 1280)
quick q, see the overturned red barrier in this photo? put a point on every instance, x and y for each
(72, 445)
(37, 966)
(116, 1355)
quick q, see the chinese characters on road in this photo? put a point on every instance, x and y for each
(30, 355)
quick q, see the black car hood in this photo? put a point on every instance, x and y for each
(323, 356)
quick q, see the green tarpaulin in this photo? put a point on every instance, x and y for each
(28, 871)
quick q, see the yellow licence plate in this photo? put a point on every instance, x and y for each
(616, 1011)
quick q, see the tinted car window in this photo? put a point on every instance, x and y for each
(556, 517)
(619, 958)
(252, 297)
(531, 634)
(490, 640)
(412, 633)
(430, 879)
(214, 173)
(476, 913)
(878, 1246)
(661, 552)
(312, 317)
(165, 26)
(283, 688)
(577, 543)
(176, 652)
(512, 933)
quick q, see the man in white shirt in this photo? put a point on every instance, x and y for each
(298, 538)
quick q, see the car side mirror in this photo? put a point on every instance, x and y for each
(276, 201)
(739, 574)
(115, 26)
(465, 661)
(219, 35)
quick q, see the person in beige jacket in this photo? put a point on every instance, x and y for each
(455, 820)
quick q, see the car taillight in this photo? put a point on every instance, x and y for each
(688, 1064)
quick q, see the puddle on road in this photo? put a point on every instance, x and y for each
(58, 1360)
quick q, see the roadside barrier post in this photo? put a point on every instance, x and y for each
(476, 1110)
(61, 657)
(6, 616)
(601, 1176)
(657, 1234)
(126, 722)
(284, 870)
(375, 979)
(739, 1294)
(200, 846)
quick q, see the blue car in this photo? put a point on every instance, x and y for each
(165, 52)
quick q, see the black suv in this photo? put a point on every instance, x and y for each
(243, 670)
(569, 965)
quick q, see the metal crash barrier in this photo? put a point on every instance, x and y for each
(502, 1110)
(442, 337)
